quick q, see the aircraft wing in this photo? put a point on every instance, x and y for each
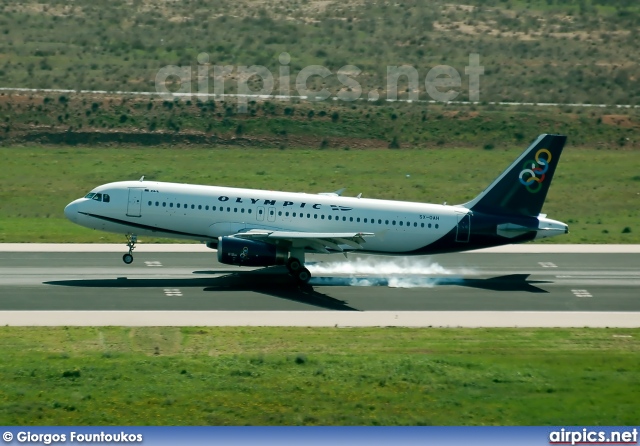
(317, 241)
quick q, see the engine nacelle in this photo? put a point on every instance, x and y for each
(212, 245)
(236, 251)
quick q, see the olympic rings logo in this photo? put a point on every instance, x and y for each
(532, 174)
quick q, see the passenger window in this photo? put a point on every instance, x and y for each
(228, 209)
(350, 218)
(286, 214)
(400, 223)
(344, 218)
(358, 219)
(322, 217)
(106, 199)
(260, 211)
(235, 209)
(329, 217)
(315, 215)
(178, 205)
(249, 211)
(415, 225)
(379, 221)
(428, 226)
(164, 204)
(213, 208)
(193, 206)
(436, 225)
(242, 211)
(157, 204)
(206, 208)
(149, 203)
(280, 214)
(365, 220)
(170, 205)
(199, 206)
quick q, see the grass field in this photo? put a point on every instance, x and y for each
(543, 50)
(298, 376)
(595, 191)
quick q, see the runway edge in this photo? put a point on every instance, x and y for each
(415, 319)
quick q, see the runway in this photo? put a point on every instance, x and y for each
(91, 286)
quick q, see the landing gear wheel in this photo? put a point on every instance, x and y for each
(132, 239)
(293, 265)
(303, 275)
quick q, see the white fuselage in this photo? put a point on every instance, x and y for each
(207, 212)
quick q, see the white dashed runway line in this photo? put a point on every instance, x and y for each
(581, 293)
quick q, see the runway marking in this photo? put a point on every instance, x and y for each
(153, 263)
(581, 293)
(173, 292)
(547, 264)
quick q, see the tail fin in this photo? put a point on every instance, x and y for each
(523, 187)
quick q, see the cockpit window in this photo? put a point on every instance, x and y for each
(106, 198)
(97, 197)
(89, 195)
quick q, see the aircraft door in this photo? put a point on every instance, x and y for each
(271, 214)
(260, 213)
(463, 229)
(135, 202)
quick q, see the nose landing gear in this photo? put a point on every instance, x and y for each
(132, 239)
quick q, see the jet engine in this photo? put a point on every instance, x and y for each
(236, 251)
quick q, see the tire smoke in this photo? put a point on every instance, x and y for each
(394, 272)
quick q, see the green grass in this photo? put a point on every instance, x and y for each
(287, 376)
(594, 191)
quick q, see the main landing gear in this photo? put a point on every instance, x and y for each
(297, 270)
(132, 239)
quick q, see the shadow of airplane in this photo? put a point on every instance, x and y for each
(277, 283)
(511, 282)
(258, 281)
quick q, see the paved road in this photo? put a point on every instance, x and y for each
(195, 281)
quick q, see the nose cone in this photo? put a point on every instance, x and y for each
(71, 211)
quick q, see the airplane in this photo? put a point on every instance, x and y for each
(265, 228)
